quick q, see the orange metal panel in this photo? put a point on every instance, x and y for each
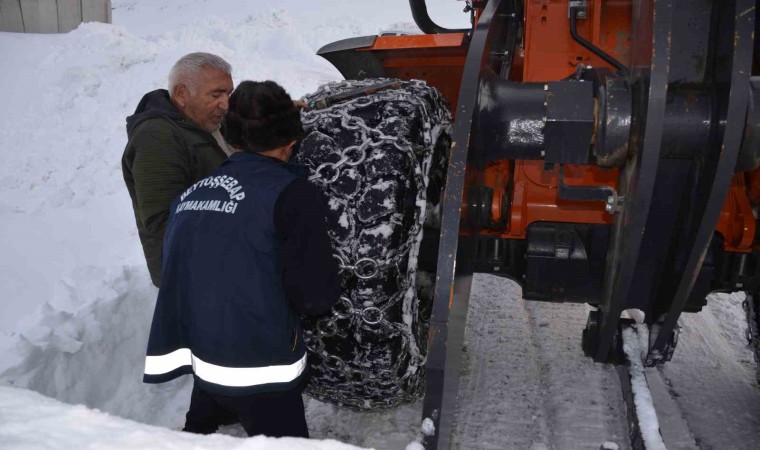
(417, 41)
(535, 196)
(446, 79)
(436, 58)
(550, 51)
(424, 61)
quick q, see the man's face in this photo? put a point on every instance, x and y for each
(207, 99)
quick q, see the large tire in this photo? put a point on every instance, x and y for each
(380, 160)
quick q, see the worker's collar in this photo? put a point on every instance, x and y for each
(296, 169)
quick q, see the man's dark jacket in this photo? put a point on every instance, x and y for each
(165, 154)
(246, 251)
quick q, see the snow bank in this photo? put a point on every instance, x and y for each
(88, 347)
(29, 420)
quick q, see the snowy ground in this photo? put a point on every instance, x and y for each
(76, 298)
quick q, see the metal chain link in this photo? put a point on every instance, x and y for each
(361, 149)
(386, 373)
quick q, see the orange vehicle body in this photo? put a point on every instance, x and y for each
(548, 53)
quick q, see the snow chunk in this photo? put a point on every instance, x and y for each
(383, 230)
(343, 220)
(642, 398)
(428, 427)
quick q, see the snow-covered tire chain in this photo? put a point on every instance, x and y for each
(380, 160)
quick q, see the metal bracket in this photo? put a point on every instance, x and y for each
(656, 357)
(615, 203)
(501, 55)
(577, 7)
(607, 194)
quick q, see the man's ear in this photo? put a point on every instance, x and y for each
(180, 94)
(290, 149)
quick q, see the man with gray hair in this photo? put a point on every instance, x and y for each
(174, 141)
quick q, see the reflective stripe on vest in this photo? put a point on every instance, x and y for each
(225, 376)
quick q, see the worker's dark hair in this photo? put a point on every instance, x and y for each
(261, 117)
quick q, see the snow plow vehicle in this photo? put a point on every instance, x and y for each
(595, 151)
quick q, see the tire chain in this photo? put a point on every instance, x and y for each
(369, 381)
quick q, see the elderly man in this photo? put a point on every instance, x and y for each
(174, 141)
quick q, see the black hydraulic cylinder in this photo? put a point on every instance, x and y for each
(550, 121)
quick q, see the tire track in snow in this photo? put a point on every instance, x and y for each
(500, 400)
(525, 382)
(583, 397)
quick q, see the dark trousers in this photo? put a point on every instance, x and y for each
(274, 414)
